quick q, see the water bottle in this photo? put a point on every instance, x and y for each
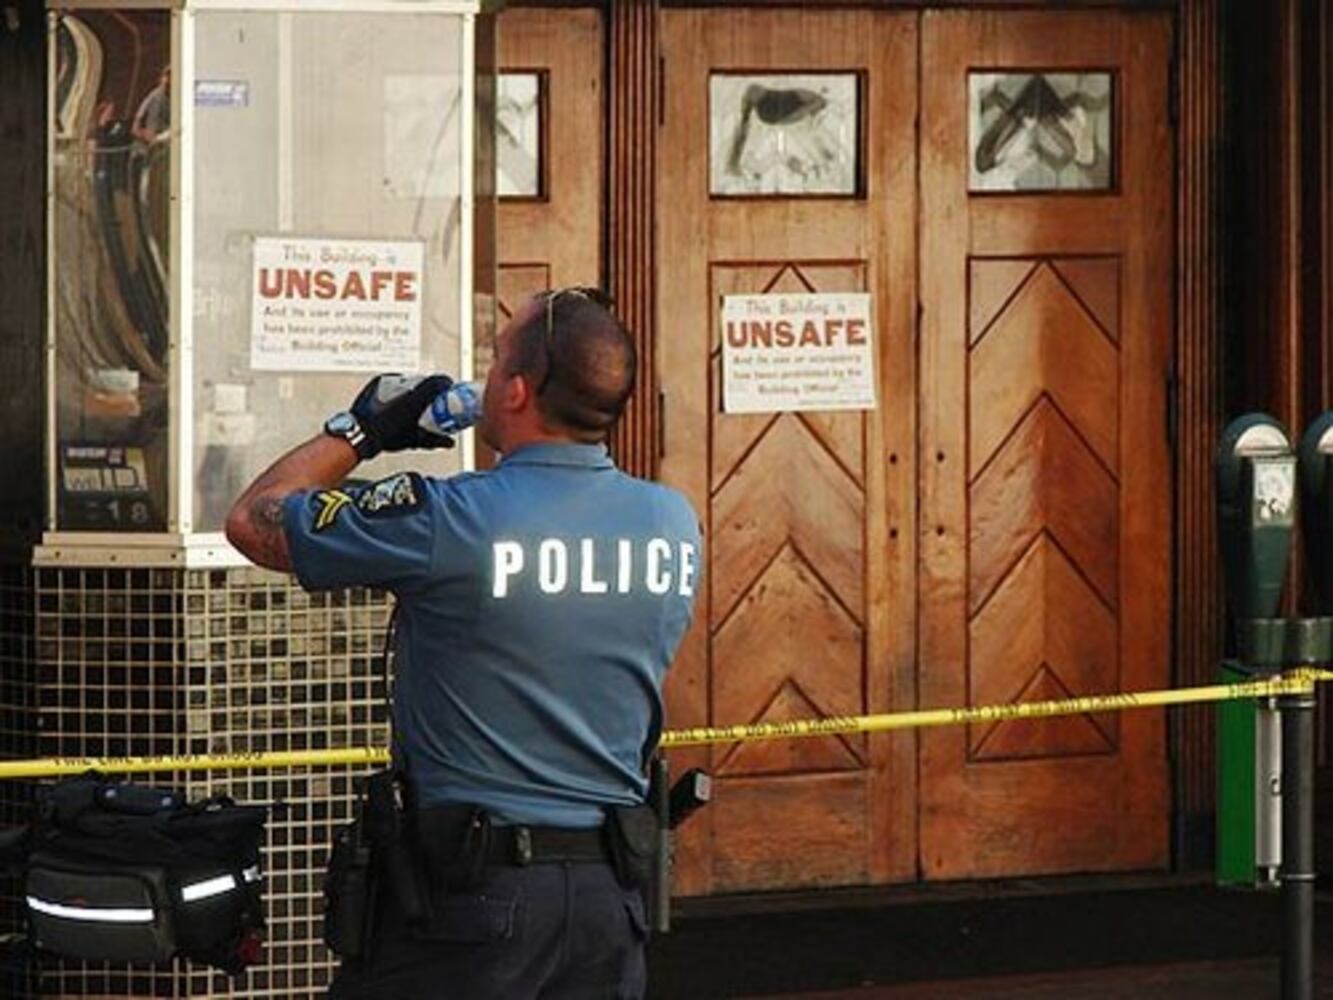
(454, 410)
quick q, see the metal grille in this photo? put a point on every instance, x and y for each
(104, 662)
(18, 738)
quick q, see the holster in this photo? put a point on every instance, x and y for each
(390, 814)
(350, 893)
(377, 851)
(631, 835)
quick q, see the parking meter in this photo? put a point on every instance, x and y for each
(1266, 803)
(1256, 503)
(1298, 713)
(1316, 454)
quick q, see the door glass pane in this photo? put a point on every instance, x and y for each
(1040, 131)
(784, 134)
(519, 105)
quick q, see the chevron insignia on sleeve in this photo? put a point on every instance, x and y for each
(328, 505)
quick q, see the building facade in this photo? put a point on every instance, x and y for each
(1086, 235)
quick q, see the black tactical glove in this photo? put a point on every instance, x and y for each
(389, 407)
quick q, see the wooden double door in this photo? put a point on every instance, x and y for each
(998, 528)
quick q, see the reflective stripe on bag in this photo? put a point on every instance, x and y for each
(211, 887)
(93, 914)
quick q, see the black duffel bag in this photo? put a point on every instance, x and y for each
(122, 872)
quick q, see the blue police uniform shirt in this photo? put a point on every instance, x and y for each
(540, 604)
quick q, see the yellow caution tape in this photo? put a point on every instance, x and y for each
(1296, 682)
(48, 767)
(1301, 681)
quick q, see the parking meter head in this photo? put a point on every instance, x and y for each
(1316, 455)
(1256, 506)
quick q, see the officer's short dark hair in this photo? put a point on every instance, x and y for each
(580, 360)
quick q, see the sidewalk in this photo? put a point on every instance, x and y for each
(1099, 938)
(1247, 979)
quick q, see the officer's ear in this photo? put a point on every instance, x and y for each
(517, 392)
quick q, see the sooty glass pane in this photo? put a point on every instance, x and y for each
(1040, 131)
(518, 131)
(784, 134)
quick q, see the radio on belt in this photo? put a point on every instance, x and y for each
(693, 790)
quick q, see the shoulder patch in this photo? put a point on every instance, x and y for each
(328, 505)
(400, 493)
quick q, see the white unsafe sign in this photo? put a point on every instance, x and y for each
(797, 352)
(336, 305)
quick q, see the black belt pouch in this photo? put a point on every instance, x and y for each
(378, 852)
(631, 833)
(350, 887)
(455, 845)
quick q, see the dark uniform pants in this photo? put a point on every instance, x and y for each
(558, 931)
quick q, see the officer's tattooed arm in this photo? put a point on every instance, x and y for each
(255, 524)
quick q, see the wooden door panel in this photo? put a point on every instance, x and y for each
(518, 283)
(1044, 634)
(843, 434)
(782, 830)
(807, 605)
(788, 563)
(555, 240)
(1044, 483)
(992, 285)
(1045, 513)
(1042, 344)
(1095, 282)
(757, 516)
(775, 680)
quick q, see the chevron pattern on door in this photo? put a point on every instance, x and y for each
(787, 509)
(1043, 499)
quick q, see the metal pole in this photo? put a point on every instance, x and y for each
(1298, 869)
(659, 789)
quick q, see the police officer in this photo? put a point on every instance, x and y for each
(539, 605)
